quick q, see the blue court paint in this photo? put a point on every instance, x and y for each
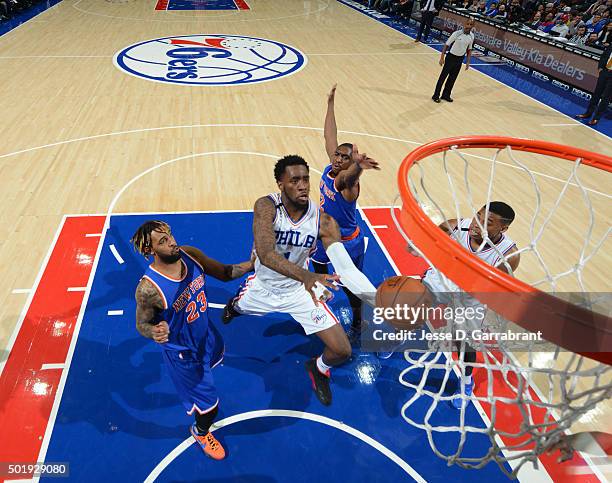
(545, 92)
(119, 415)
(26, 15)
(202, 5)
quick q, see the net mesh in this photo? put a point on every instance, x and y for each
(544, 387)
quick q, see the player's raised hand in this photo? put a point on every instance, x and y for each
(363, 160)
(332, 94)
(315, 281)
(161, 332)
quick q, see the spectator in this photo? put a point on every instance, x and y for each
(481, 8)
(580, 37)
(403, 8)
(547, 24)
(595, 24)
(605, 36)
(501, 14)
(592, 40)
(575, 22)
(535, 21)
(559, 29)
(594, 6)
(563, 14)
(515, 13)
(492, 11)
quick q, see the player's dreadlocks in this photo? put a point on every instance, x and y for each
(142, 238)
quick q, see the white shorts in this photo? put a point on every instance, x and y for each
(254, 299)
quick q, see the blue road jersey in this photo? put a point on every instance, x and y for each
(185, 309)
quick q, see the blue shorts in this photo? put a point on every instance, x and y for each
(192, 377)
(354, 247)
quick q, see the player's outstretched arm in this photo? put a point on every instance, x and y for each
(217, 269)
(148, 303)
(347, 180)
(330, 130)
(350, 276)
(512, 258)
(265, 246)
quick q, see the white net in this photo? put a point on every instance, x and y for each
(561, 229)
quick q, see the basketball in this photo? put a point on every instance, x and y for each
(396, 295)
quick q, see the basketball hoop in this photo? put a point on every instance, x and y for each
(574, 383)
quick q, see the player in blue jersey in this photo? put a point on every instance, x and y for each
(339, 190)
(172, 309)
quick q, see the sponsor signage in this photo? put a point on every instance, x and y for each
(545, 59)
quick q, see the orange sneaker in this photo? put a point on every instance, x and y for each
(209, 444)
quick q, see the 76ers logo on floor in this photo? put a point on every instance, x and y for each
(218, 60)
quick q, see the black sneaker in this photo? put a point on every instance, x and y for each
(436, 99)
(320, 382)
(229, 312)
(447, 99)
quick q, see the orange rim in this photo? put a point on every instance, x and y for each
(561, 322)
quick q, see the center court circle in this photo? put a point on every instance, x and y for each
(210, 60)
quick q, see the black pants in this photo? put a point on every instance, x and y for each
(602, 95)
(450, 71)
(427, 19)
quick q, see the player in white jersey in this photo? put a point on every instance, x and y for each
(496, 249)
(286, 227)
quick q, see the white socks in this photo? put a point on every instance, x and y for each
(323, 368)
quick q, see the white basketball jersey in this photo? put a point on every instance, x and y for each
(489, 254)
(295, 240)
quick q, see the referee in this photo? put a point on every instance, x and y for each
(459, 42)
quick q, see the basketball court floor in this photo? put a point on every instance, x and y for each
(98, 137)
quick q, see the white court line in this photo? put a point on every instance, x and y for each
(377, 238)
(75, 335)
(318, 129)
(92, 235)
(21, 290)
(26, 306)
(287, 414)
(379, 226)
(116, 254)
(45, 367)
(56, 56)
(568, 124)
(76, 289)
(62, 383)
(204, 20)
(193, 126)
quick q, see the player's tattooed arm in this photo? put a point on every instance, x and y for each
(265, 242)
(148, 303)
(217, 269)
(265, 246)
